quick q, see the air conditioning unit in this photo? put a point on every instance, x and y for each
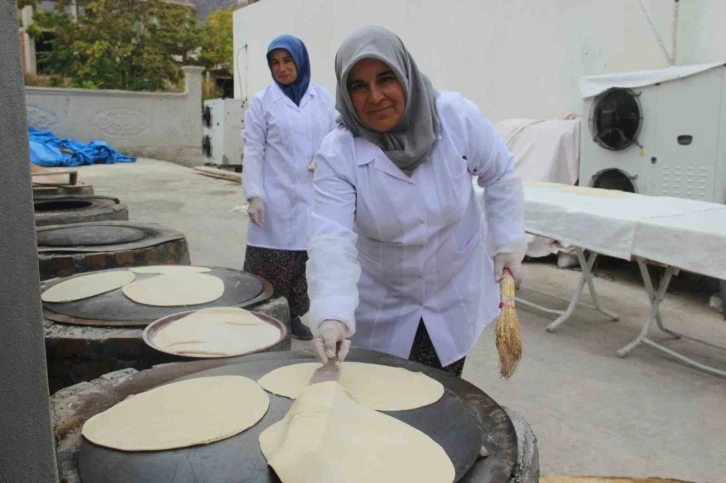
(659, 132)
(222, 143)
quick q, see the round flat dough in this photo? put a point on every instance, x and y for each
(544, 184)
(596, 192)
(80, 288)
(170, 269)
(382, 388)
(328, 437)
(217, 332)
(181, 414)
(176, 290)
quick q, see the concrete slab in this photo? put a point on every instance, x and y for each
(592, 412)
(181, 199)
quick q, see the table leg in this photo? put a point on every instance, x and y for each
(587, 266)
(586, 278)
(656, 297)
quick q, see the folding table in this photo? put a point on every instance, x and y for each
(677, 233)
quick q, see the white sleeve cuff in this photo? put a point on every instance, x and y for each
(332, 274)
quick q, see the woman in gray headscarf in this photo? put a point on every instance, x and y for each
(401, 258)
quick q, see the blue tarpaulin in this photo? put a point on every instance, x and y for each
(48, 151)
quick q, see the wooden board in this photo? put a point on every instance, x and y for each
(219, 173)
(50, 176)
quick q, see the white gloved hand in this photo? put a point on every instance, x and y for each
(256, 211)
(511, 261)
(325, 343)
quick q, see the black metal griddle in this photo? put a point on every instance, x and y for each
(102, 236)
(73, 236)
(113, 308)
(460, 422)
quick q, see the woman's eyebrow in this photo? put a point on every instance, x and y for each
(385, 73)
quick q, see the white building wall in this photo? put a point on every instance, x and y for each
(514, 58)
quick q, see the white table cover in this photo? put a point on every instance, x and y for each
(686, 234)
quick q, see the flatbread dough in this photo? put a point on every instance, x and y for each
(80, 288)
(544, 184)
(217, 332)
(181, 414)
(327, 437)
(176, 290)
(383, 388)
(596, 192)
(170, 269)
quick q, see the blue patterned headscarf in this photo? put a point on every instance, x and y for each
(299, 54)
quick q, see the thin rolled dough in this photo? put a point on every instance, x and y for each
(181, 414)
(327, 437)
(175, 290)
(217, 332)
(170, 269)
(544, 184)
(87, 286)
(379, 387)
(596, 192)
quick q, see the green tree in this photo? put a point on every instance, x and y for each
(23, 3)
(217, 39)
(120, 44)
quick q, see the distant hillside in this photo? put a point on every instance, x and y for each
(205, 7)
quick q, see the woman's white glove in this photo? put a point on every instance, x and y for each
(511, 261)
(328, 336)
(256, 211)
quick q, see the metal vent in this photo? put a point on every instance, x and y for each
(616, 119)
(684, 182)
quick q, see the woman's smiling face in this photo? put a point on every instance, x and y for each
(283, 66)
(377, 95)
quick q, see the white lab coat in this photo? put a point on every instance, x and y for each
(280, 141)
(421, 241)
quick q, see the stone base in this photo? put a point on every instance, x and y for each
(77, 354)
(67, 423)
(56, 265)
(117, 212)
(527, 468)
(63, 189)
(67, 209)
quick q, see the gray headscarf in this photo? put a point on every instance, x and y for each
(413, 138)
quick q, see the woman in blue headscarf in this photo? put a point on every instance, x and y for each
(284, 126)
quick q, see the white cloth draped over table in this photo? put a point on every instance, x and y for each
(683, 233)
(544, 150)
